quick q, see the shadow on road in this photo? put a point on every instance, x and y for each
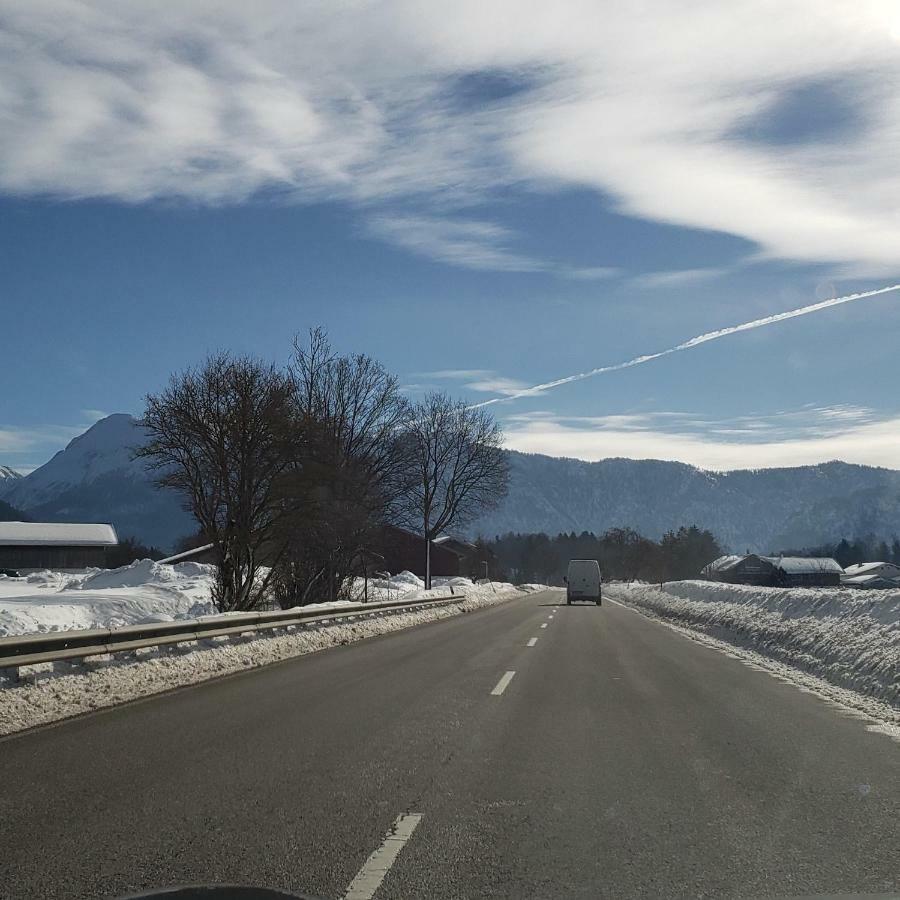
(586, 603)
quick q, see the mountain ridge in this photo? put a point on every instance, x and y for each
(757, 509)
(95, 478)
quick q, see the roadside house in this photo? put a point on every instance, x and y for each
(404, 550)
(466, 553)
(884, 569)
(63, 546)
(871, 582)
(774, 571)
(749, 569)
(872, 575)
(802, 571)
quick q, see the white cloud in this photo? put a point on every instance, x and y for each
(481, 380)
(676, 277)
(497, 384)
(590, 273)
(801, 437)
(468, 243)
(94, 415)
(27, 438)
(472, 244)
(214, 101)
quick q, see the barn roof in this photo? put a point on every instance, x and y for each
(868, 567)
(722, 563)
(802, 565)
(870, 581)
(457, 545)
(56, 534)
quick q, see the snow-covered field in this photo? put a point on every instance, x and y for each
(148, 591)
(847, 637)
(142, 592)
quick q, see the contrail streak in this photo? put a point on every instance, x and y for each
(693, 342)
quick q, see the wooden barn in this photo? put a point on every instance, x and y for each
(404, 551)
(749, 569)
(63, 546)
(801, 571)
(466, 552)
(774, 571)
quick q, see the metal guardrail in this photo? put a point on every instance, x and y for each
(32, 649)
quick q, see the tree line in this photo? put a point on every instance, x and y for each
(623, 554)
(293, 472)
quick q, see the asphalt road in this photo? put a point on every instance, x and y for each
(621, 760)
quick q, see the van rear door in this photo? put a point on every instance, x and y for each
(583, 580)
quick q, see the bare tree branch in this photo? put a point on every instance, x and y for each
(217, 437)
(460, 467)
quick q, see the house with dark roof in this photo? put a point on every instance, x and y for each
(404, 551)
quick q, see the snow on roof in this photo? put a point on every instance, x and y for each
(30, 534)
(869, 581)
(801, 565)
(722, 563)
(863, 568)
(449, 540)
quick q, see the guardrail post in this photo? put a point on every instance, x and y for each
(36, 673)
(98, 661)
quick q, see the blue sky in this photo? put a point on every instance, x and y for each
(484, 199)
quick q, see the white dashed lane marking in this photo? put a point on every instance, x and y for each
(502, 684)
(531, 642)
(370, 876)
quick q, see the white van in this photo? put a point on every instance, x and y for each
(583, 581)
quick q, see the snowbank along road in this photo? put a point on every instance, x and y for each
(52, 691)
(604, 755)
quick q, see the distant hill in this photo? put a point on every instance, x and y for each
(10, 513)
(95, 480)
(8, 476)
(759, 510)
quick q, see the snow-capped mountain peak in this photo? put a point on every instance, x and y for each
(96, 479)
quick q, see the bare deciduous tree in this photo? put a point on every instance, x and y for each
(217, 435)
(351, 470)
(459, 466)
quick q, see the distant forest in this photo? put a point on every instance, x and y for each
(623, 554)
(626, 555)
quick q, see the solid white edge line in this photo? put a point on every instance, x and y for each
(531, 642)
(370, 876)
(502, 684)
